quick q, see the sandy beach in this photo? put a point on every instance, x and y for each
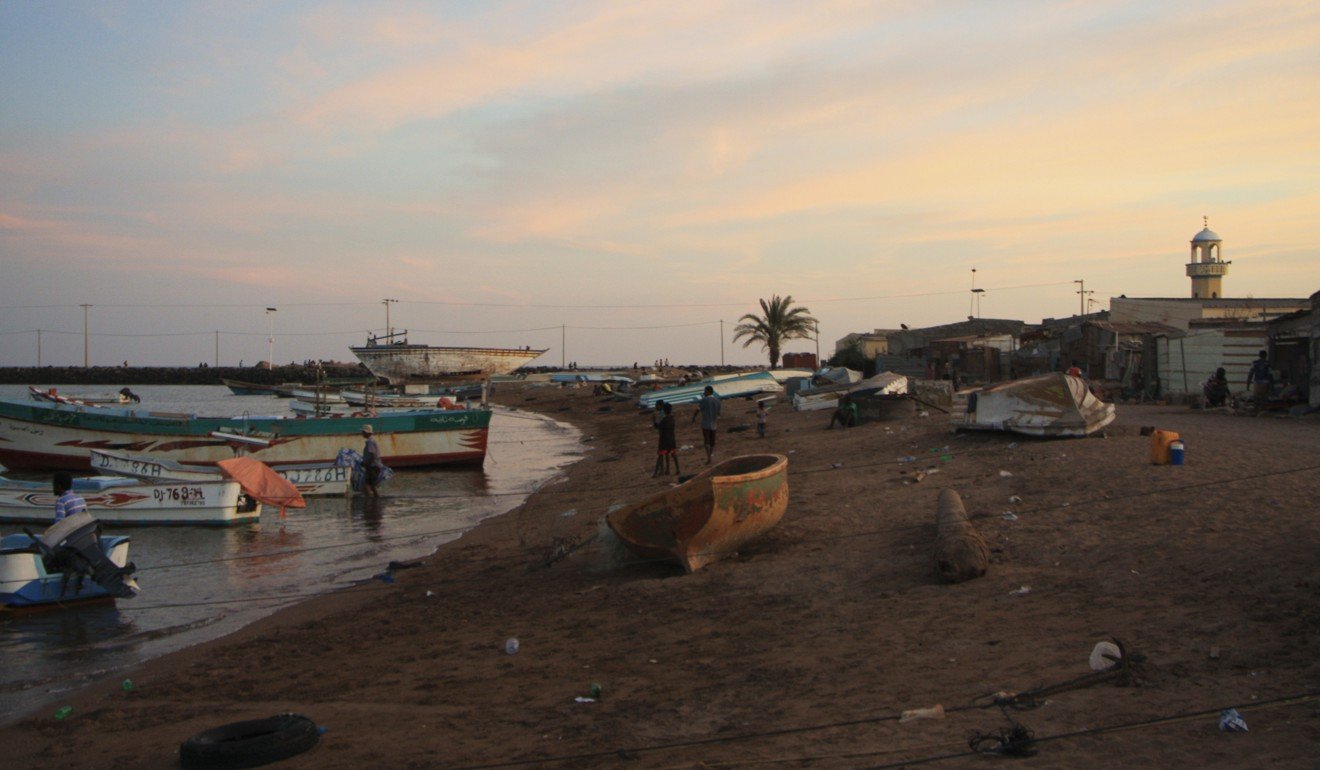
(803, 649)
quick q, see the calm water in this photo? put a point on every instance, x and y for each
(200, 583)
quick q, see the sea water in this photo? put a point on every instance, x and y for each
(199, 583)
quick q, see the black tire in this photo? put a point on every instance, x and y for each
(250, 743)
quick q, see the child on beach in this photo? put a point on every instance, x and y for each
(761, 414)
(668, 442)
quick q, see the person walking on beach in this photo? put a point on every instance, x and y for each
(709, 409)
(371, 463)
(761, 414)
(69, 502)
(668, 441)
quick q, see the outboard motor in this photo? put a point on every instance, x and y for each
(72, 545)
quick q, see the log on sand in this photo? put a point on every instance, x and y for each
(960, 553)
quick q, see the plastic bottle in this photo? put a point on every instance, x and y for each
(128, 685)
(63, 711)
(595, 690)
(510, 645)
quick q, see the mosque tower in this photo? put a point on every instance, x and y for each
(1207, 269)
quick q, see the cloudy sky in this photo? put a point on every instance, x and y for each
(624, 176)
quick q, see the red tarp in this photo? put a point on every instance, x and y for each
(262, 483)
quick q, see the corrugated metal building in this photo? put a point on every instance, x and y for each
(1184, 361)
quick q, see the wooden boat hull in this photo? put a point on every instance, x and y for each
(1054, 405)
(128, 502)
(402, 364)
(709, 516)
(49, 436)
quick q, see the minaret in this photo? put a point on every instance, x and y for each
(1207, 269)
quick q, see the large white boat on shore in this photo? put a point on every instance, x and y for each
(401, 363)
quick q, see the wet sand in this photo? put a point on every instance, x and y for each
(801, 650)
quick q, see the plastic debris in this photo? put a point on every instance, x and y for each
(1014, 499)
(946, 458)
(1005, 474)
(510, 645)
(1022, 591)
(911, 715)
(1013, 445)
(384, 577)
(1104, 655)
(63, 711)
(429, 594)
(1010, 516)
(127, 685)
(1230, 721)
(595, 690)
(569, 513)
(907, 459)
(836, 465)
(581, 699)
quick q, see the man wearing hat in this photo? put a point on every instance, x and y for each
(371, 463)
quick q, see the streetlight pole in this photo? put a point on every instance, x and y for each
(270, 338)
(389, 329)
(1081, 296)
(86, 344)
(38, 348)
(971, 304)
(721, 342)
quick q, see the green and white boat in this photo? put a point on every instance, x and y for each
(37, 436)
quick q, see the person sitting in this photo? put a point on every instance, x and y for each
(1216, 388)
(845, 414)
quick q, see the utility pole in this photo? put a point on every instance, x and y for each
(86, 343)
(818, 364)
(971, 303)
(1081, 296)
(976, 296)
(721, 342)
(270, 338)
(389, 329)
(38, 348)
(217, 347)
(563, 346)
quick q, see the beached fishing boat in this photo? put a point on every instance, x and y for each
(1054, 404)
(67, 563)
(242, 388)
(311, 479)
(400, 363)
(123, 501)
(49, 436)
(725, 386)
(709, 516)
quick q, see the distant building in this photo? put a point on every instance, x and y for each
(800, 361)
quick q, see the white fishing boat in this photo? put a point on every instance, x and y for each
(69, 562)
(725, 386)
(119, 500)
(311, 479)
(400, 363)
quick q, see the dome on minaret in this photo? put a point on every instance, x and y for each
(1207, 236)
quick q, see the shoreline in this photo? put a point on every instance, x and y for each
(1209, 570)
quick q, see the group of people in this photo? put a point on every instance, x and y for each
(1260, 379)
(708, 409)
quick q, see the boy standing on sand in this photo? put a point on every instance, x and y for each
(709, 409)
(668, 441)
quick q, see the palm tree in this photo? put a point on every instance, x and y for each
(778, 323)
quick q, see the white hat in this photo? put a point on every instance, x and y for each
(366, 429)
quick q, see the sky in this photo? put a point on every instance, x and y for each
(619, 182)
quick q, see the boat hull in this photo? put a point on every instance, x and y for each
(403, 364)
(127, 502)
(25, 583)
(44, 437)
(1051, 405)
(312, 479)
(709, 516)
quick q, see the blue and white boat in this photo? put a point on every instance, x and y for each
(742, 385)
(69, 562)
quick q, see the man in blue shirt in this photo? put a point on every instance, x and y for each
(69, 502)
(709, 409)
(1262, 378)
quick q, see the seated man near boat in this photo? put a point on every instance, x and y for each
(129, 395)
(1216, 388)
(845, 414)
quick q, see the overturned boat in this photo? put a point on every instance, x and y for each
(709, 516)
(1054, 404)
(69, 562)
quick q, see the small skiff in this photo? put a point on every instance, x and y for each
(311, 479)
(709, 516)
(71, 561)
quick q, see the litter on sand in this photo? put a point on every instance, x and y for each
(1230, 721)
(1005, 474)
(911, 715)
(1022, 591)
(1010, 516)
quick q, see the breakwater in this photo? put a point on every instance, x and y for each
(173, 375)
